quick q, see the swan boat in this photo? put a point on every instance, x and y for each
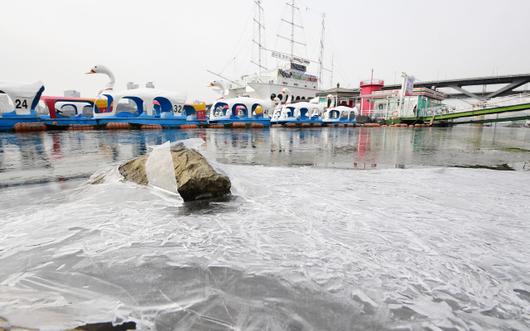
(69, 113)
(340, 116)
(144, 108)
(18, 103)
(297, 114)
(241, 112)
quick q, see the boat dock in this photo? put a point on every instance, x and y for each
(446, 118)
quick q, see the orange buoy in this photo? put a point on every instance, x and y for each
(81, 127)
(151, 127)
(188, 126)
(239, 125)
(118, 126)
(29, 127)
(257, 125)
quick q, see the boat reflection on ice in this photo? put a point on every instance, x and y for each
(62, 153)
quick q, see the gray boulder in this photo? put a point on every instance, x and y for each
(134, 170)
(196, 178)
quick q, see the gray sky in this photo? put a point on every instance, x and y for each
(173, 42)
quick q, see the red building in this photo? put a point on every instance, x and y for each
(367, 87)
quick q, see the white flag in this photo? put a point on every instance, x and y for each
(409, 85)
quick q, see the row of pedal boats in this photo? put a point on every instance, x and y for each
(24, 108)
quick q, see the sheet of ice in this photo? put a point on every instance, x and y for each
(297, 249)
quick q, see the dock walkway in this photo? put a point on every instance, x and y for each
(433, 119)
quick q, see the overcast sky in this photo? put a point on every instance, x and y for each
(173, 42)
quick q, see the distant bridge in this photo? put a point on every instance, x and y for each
(511, 82)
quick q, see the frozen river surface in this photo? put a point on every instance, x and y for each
(297, 248)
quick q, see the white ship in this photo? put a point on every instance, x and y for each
(291, 75)
(269, 84)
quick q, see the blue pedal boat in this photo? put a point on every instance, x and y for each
(69, 113)
(340, 116)
(241, 112)
(147, 109)
(301, 114)
(18, 104)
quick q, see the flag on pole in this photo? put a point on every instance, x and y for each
(409, 85)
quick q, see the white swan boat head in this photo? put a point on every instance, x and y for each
(101, 69)
(219, 87)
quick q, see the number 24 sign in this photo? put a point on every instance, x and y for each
(21, 104)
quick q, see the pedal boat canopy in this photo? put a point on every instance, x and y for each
(300, 110)
(147, 102)
(19, 99)
(239, 108)
(341, 113)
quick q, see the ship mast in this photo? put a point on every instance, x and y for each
(258, 19)
(293, 8)
(293, 25)
(321, 58)
(332, 70)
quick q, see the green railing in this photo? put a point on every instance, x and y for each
(471, 113)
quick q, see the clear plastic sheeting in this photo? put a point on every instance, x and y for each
(296, 249)
(159, 168)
